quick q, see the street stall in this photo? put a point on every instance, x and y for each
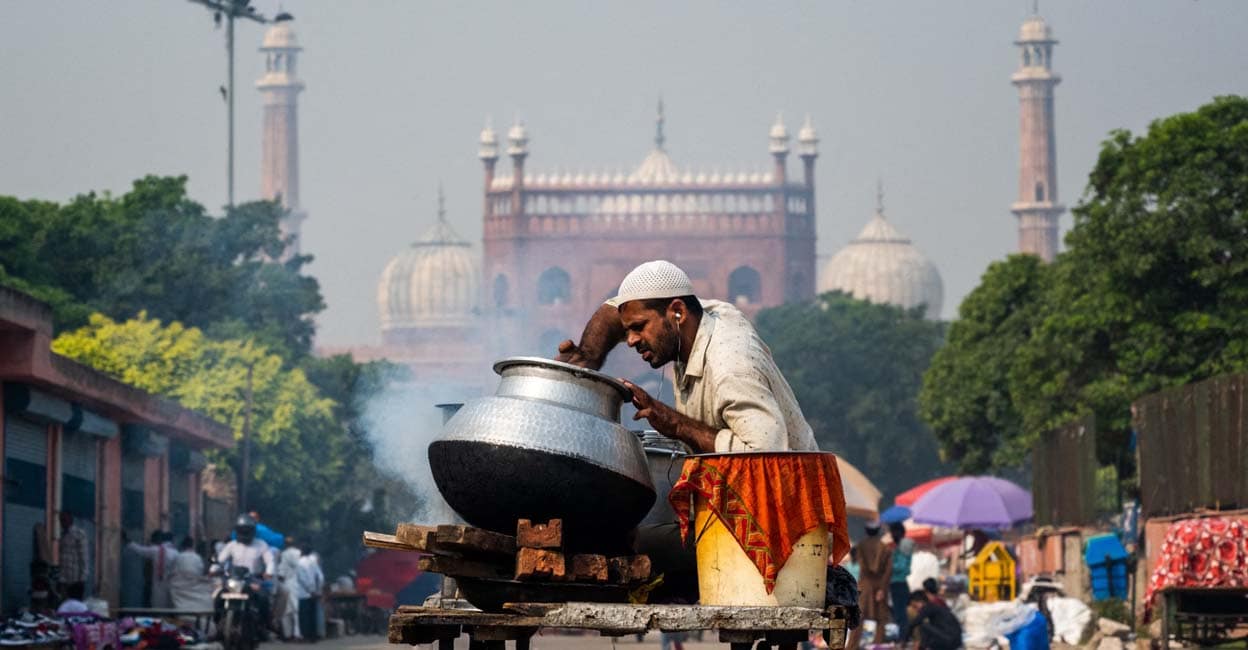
(553, 489)
(1200, 581)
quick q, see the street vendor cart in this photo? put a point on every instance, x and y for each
(1200, 582)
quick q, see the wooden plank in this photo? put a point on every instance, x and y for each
(540, 563)
(415, 535)
(464, 568)
(469, 540)
(389, 542)
(548, 535)
(617, 619)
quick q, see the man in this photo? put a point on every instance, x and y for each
(161, 553)
(253, 554)
(730, 396)
(73, 554)
(875, 560)
(311, 585)
(288, 592)
(938, 628)
(189, 588)
(899, 574)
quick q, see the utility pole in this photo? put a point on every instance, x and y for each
(243, 480)
(229, 10)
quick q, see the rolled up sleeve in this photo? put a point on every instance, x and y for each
(754, 422)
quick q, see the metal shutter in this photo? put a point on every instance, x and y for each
(27, 442)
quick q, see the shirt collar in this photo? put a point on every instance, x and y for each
(697, 357)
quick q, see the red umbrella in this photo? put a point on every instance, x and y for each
(908, 497)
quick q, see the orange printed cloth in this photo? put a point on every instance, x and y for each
(768, 501)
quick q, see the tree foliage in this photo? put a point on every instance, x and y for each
(856, 369)
(1151, 292)
(966, 392)
(155, 250)
(298, 459)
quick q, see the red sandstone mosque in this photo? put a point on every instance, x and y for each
(556, 244)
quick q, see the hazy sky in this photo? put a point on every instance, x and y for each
(96, 94)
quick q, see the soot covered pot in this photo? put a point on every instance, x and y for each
(548, 444)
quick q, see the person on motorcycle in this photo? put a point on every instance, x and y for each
(253, 554)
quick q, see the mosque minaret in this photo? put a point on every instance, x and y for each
(279, 158)
(1037, 207)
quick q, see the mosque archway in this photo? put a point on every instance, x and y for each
(554, 287)
(745, 285)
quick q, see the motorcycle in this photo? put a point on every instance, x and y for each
(237, 610)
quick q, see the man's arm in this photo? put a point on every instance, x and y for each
(667, 421)
(602, 333)
(143, 550)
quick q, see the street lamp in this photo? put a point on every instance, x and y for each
(229, 10)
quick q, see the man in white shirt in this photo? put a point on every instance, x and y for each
(162, 554)
(289, 592)
(730, 396)
(311, 584)
(253, 554)
(247, 551)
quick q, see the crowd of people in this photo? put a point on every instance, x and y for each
(883, 572)
(290, 580)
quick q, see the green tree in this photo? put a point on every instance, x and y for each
(298, 448)
(856, 369)
(1153, 289)
(155, 250)
(1151, 292)
(966, 396)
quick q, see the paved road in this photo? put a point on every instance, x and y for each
(541, 642)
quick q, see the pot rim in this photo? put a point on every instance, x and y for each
(575, 371)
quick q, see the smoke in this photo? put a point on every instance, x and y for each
(401, 421)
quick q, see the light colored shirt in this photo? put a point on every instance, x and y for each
(73, 559)
(162, 556)
(732, 383)
(288, 571)
(311, 579)
(257, 557)
(72, 606)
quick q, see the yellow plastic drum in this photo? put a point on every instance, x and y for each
(726, 576)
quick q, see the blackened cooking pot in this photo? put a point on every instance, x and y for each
(548, 444)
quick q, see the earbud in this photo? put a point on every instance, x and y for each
(678, 317)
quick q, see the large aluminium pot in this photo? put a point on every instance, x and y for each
(548, 444)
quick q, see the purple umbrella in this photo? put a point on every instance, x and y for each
(974, 502)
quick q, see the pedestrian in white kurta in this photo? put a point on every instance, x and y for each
(288, 591)
(162, 554)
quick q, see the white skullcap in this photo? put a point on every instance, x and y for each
(651, 281)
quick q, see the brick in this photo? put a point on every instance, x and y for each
(547, 535)
(540, 563)
(589, 567)
(629, 568)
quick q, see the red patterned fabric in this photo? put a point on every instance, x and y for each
(768, 501)
(1209, 552)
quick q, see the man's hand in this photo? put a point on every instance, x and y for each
(661, 416)
(570, 352)
(667, 421)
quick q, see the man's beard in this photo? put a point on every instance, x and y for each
(668, 347)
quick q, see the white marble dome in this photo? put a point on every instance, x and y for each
(432, 284)
(882, 266)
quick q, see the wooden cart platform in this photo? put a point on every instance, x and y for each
(741, 627)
